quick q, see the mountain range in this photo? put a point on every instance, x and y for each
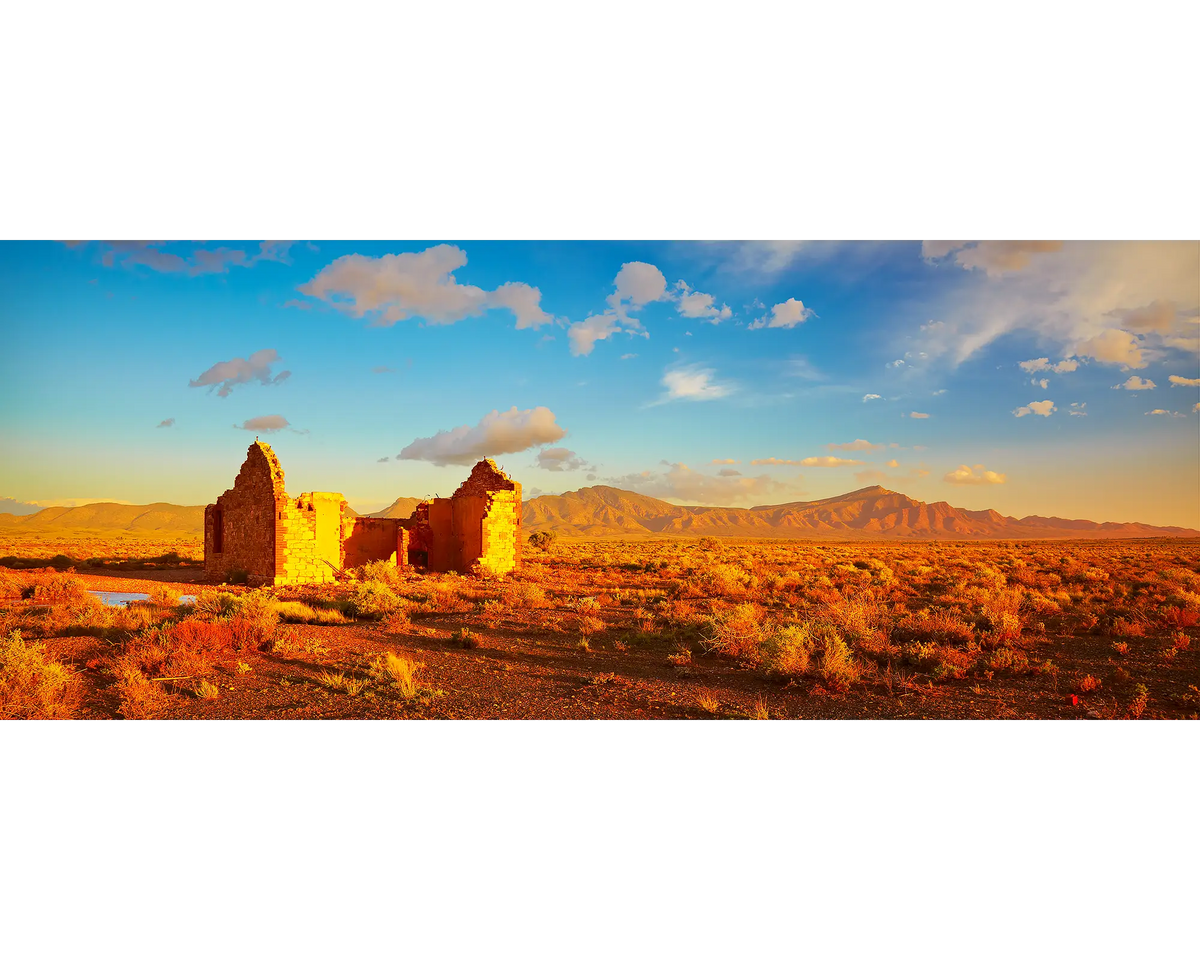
(601, 511)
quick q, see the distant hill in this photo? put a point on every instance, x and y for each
(872, 512)
(107, 519)
(869, 513)
(401, 509)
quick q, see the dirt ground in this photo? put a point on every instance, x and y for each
(626, 633)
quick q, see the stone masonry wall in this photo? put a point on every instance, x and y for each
(279, 540)
(247, 515)
(308, 544)
(499, 550)
(365, 539)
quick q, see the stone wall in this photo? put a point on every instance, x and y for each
(308, 541)
(366, 539)
(499, 550)
(246, 514)
(257, 528)
(419, 535)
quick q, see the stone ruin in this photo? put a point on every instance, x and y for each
(275, 539)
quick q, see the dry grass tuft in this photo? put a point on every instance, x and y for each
(34, 685)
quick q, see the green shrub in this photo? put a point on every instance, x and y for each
(543, 539)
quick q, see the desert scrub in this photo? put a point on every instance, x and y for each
(380, 571)
(718, 580)
(736, 633)
(140, 699)
(838, 668)
(339, 682)
(211, 605)
(785, 652)
(373, 600)
(396, 672)
(293, 611)
(34, 685)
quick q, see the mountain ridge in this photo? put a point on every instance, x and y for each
(872, 512)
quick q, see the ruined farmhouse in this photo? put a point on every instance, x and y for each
(257, 528)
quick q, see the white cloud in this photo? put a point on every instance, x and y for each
(635, 285)
(523, 301)
(855, 445)
(1043, 383)
(892, 464)
(994, 257)
(919, 416)
(693, 382)
(1183, 381)
(230, 373)
(1043, 363)
(790, 313)
(1158, 316)
(700, 306)
(1041, 408)
(1162, 413)
(628, 356)
(717, 463)
(1113, 346)
(1078, 410)
(871, 396)
(268, 424)
(638, 283)
(559, 459)
(1196, 408)
(600, 326)
(968, 475)
(1135, 383)
(397, 286)
(497, 433)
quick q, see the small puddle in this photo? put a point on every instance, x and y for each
(114, 598)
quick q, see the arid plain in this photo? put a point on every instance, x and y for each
(617, 628)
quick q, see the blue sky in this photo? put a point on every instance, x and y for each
(637, 364)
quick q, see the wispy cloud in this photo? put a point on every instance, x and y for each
(272, 423)
(1119, 303)
(169, 422)
(230, 373)
(693, 382)
(560, 459)
(199, 260)
(807, 462)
